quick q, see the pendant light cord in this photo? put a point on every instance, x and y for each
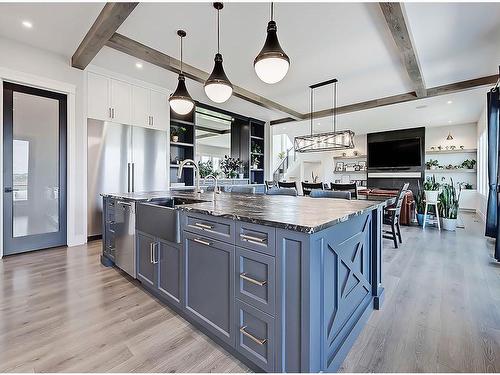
(311, 111)
(181, 54)
(335, 107)
(218, 26)
(272, 10)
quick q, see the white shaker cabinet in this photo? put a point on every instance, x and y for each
(109, 99)
(141, 114)
(160, 110)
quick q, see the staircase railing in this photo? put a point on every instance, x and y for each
(280, 171)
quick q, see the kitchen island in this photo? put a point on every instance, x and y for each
(284, 283)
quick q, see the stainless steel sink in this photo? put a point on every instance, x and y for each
(160, 218)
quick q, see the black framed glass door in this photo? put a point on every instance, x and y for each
(34, 168)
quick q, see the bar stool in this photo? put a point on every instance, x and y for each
(431, 203)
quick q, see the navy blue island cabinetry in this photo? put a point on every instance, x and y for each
(283, 295)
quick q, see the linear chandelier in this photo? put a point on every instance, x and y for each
(328, 141)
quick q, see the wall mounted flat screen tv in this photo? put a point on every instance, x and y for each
(394, 154)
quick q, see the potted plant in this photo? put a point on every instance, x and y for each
(255, 162)
(469, 164)
(420, 205)
(431, 189)
(206, 168)
(176, 132)
(432, 164)
(281, 155)
(448, 208)
(230, 166)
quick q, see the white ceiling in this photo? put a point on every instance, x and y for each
(350, 41)
(465, 107)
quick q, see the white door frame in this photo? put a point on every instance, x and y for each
(56, 86)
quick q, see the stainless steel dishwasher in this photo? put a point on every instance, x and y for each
(125, 237)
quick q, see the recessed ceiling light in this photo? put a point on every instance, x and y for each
(449, 121)
(138, 65)
(27, 24)
(449, 102)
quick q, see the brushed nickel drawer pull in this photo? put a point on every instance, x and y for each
(252, 337)
(201, 241)
(204, 226)
(246, 237)
(244, 276)
(151, 252)
(155, 253)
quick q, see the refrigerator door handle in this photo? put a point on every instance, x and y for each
(128, 178)
(133, 172)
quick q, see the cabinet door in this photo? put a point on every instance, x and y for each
(169, 271)
(141, 115)
(121, 100)
(160, 110)
(98, 97)
(146, 258)
(209, 284)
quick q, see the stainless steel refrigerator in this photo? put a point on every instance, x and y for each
(122, 158)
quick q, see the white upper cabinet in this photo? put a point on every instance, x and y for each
(121, 100)
(118, 101)
(98, 101)
(160, 110)
(141, 115)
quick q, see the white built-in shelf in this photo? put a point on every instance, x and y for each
(177, 166)
(352, 157)
(348, 172)
(257, 153)
(457, 170)
(257, 170)
(256, 137)
(456, 151)
(181, 144)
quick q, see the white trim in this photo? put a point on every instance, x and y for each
(70, 90)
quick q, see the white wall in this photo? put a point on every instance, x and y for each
(36, 65)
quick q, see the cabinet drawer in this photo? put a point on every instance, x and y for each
(255, 284)
(256, 237)
(217, 228)
(255, 335)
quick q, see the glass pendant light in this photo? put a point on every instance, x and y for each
(217, 87)
(272, 63)
(180, 101)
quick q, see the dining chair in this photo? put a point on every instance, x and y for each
(282, 191)
(269, 184)
(243, 189)
(307, 187)
(391, 217)
(317, 193)
(353, 188)
(288, 184)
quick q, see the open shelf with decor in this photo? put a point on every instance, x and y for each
(256, 152)
(182, 146)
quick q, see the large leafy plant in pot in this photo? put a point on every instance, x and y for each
(448, 208)
(420, 204)
(431, 189)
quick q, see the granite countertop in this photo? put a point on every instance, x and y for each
(301, 214)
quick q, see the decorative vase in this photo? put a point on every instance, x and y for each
(241, 176)
(255, 166)
(175, 138)
(431, 196)
(420, 219)
(449, 224)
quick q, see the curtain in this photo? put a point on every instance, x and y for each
(492, 209)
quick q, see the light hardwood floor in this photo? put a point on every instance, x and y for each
(61, 311)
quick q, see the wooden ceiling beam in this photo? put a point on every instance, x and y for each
(401, 98)
(393, 13)
(138, 50)
(105, 25)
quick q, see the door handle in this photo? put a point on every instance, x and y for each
(8, 190)
(133, 180)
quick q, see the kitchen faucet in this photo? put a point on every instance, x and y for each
(196, 173)
(216, 188)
